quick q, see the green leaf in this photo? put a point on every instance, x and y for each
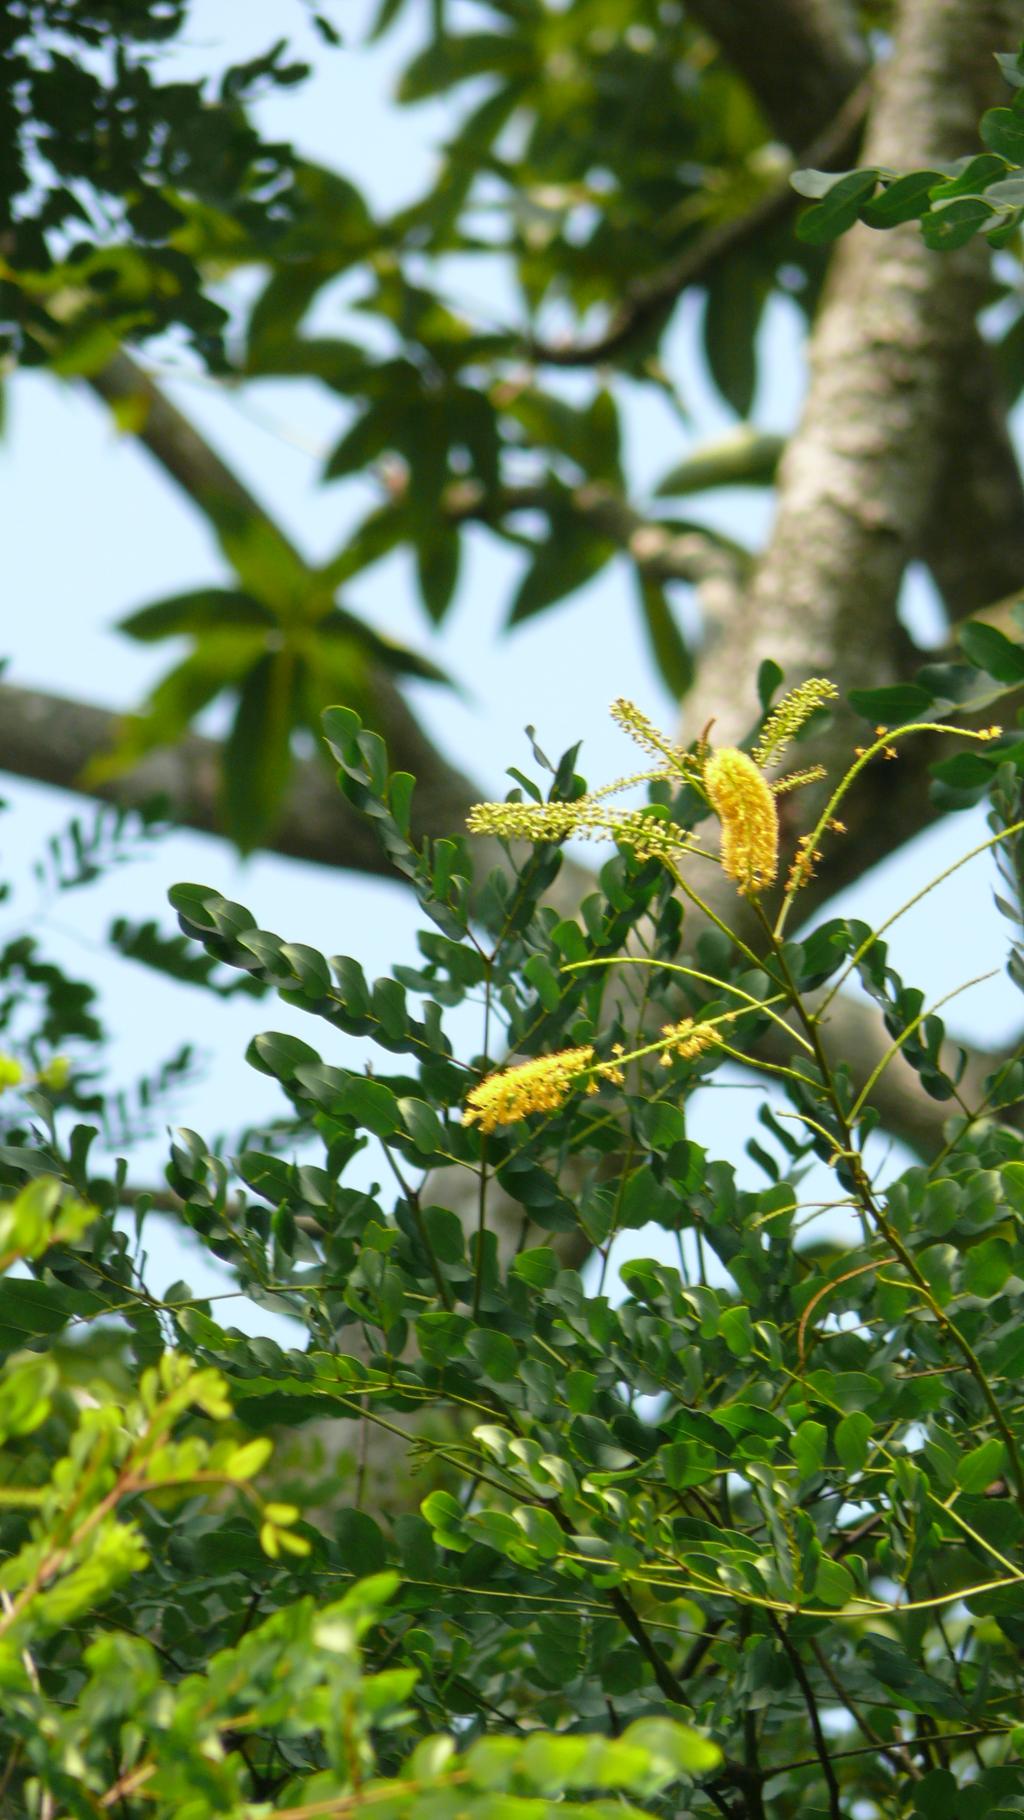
(538, 1267)
(769, 676)
(735, 1326)
(834, 1585)
(423, 1126)
(745, 458)
(541, 1529)
(668, 647)
(817, 184)
(839, 208)
(1009, 193)
(904, 200)
(444, 1230)
(987, 1267)
(971, 177)
(257, 752)
(570, 557)
(198, 613)
(952, 224)
(808, 1447)
(1002, 130)
(981, 1466)
(360, 1542)
(894, 705)
(437, 566)
(853, 1439)
(992, 651)
(1011, 66)
(495, 1353)
(279, 1054)
(733, 307)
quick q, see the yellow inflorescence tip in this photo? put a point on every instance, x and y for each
(11, 1072)
(540, 1085)
(745, 806)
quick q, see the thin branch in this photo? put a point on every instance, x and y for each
(648, 298)
(807, 1692)
(661, 552)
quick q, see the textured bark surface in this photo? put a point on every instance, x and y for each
(974, 537)
(859, 478)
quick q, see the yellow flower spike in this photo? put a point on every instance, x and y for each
(745, 806)
(793, 711)
(540, 1085)
(649, 834)
(634, 722)
(795, 780)
(11, 1073)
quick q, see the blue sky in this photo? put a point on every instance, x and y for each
(125, 538)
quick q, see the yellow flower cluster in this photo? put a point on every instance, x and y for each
(731, 780)
(688, 1039)
(540, 1085)
(745, 806)
(11, 1073)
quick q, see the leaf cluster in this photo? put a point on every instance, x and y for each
(745, 1531)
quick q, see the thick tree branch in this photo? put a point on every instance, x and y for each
(52, 739)
(804, 59)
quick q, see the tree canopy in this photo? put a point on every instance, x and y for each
(495, 1533)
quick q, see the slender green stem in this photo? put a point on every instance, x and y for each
(863, 757)
(939, 879)
(915, 1023)
(687, 889)
(481, 1217)
(877, 1219)
(643, 960)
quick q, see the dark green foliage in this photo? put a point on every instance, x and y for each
(740, 1494)
(107, 170)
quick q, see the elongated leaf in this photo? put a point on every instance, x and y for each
(839, 208)
(1002, 130)
(904, 200)
(746, 458)
(203, 611)
(667, 643)
(992, 651)
(732, 313)
(571, 556)
(257, 751)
